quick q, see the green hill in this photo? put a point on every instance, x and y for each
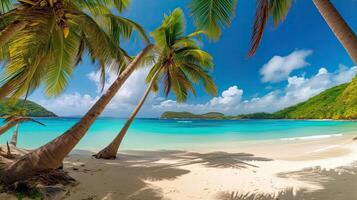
(327, 105)
(339, 102)
(32, 109)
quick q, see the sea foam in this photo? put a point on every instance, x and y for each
(312, 137)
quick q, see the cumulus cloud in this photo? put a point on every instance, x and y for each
(231, 101)
(298, 89)
(122, 104)
(280, 67)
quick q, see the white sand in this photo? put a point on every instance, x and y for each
(206, 175)
(223, 168)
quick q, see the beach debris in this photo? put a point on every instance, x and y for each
(8, 154)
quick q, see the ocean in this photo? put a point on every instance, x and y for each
(158, 134)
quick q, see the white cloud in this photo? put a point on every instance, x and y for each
(230, 97)
(298, 89)
(279, 68)
(72, 104)
(121, 105)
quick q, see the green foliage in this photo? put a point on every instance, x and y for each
(327, 105)
(55, 37)
(180, 62)
(31, 109)
(213, 15)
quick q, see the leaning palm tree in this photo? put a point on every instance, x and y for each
(213, 15)
(14, 116)
(180, 63)
(13, 121)
(102, 45)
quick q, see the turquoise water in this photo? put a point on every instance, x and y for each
(173, 134)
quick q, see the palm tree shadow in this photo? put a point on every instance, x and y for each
(287, 194)
(135, 168)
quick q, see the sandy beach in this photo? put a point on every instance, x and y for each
(302, 168)
(322, 168)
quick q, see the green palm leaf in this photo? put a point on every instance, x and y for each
(180, 61)
(213, 15)
(278, 9)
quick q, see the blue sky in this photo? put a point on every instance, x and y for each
(296, 60)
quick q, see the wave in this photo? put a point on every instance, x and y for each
(312, 137)
(183, 121)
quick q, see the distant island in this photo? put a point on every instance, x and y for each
(32, 109)
(339, 102)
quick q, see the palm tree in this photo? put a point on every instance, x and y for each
(51, 155)
(15, 135)
(179, 65)
(14, 120)
(41, 41)
(16, 117)
(101, 44)
(213, 15)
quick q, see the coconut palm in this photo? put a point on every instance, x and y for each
(213, 15)
(100, 40)
(51, 155)
(41, 41)
(180, 63)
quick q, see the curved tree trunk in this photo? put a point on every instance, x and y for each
(110, 152)
(14, 135)
(13, 122)
(339, 27)
(10, 31)
(51, 155)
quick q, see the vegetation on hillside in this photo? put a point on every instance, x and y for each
(339, 102)
(31, 109)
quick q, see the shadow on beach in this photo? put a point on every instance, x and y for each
(337, 184)
(124, 178)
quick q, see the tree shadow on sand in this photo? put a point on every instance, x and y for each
(287, 194)
(335, 184)
(124, 178)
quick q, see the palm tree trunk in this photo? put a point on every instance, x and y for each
(110, 152)
(338, 26)
(14, 136)
(51, 155)
(10, 31)
(8, 125)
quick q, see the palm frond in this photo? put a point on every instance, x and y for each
(5, 6)
(213, 15)
(261, 18)
(278, 9)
